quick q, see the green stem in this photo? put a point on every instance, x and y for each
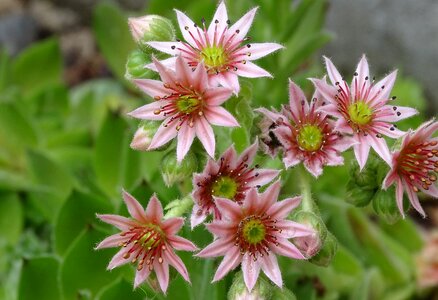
(307, 203)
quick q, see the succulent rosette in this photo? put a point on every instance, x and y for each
(187, 105)
(414, 166)
(362, 109)
(147, 240)
(223, 50)
(231, 176)
(253, 234)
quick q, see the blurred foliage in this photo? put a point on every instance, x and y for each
(65, 155)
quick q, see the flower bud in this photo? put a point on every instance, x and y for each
(135, 66)
(327, 252)
(310, 245)
(144, 134)
(151, 28)
(174, 172)
(363, 185)
(283, 294)
(359, 196)
(179, 207)
(385, 205)
(238, 291)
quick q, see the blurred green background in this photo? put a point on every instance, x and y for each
(65, 155)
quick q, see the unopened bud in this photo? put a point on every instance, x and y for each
(327, 252)
(135, 65)
(151, 28)
(385, 205)
(283, 294)
(174, 172)
(144, 134)
(178, 207)
(359, 196)
(262, 289)
(311, 244)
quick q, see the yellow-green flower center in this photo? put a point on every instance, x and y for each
(310, 137)
(253, 231)
(188, 104)
(150, 237)
(360, 113)
(225, 187)
(214, 56)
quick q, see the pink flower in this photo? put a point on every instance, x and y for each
(306, 134)
(222, 49)
(229, 177)
(362, 110)
(253, 234)
(148, 240)
(188, 106)
(414, 166)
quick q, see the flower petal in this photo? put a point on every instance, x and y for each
(379, 145)
(230, 261)
(218, 248)
(291, 229)
(175, 261)
(205, 135)
(135, 209)
(259, 50)
(297, 102)
(186, 134)
(381, 90)
(251, 70)
(118, 259)
(243, 24)
(271, 269)
(361, 151)
(172, 225)
(281, 209)
(228, 208)
(273, 116)
(166, 47)
(286, 248)
(332, 72)
(264, 176)
(395, 113)
(183, 72)
(270, 195)
(218, 23)
(250, 270)
(154, 210)
(327, 91)
(140, 276)
(360, 85)
(217, 96)
(164, 134)
(399, 197)
(185, 23)
(180, 243)
(168, 63)
(111, 241)
(195, 218)
(228, 80)
(219, 116)
(314, 166)
(220, 228)
(147, 112)
(248, 154)
(162, 272)
(167, 75)
(413, 198)
(151, 87)
(120, 222)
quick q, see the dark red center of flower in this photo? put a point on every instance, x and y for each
(186, 104)
(220, 53)
(146, 244)
(255, 234)
(228, 182)
(418, 164)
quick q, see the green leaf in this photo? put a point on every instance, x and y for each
(5, 66)
(77, 214)
(39, 279)
(11, 217)
(121, 289)
(111, 30)
(115, 163)
(55, 181)
(83, 271)
(38, 66)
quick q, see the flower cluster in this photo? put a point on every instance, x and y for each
(249, 227)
